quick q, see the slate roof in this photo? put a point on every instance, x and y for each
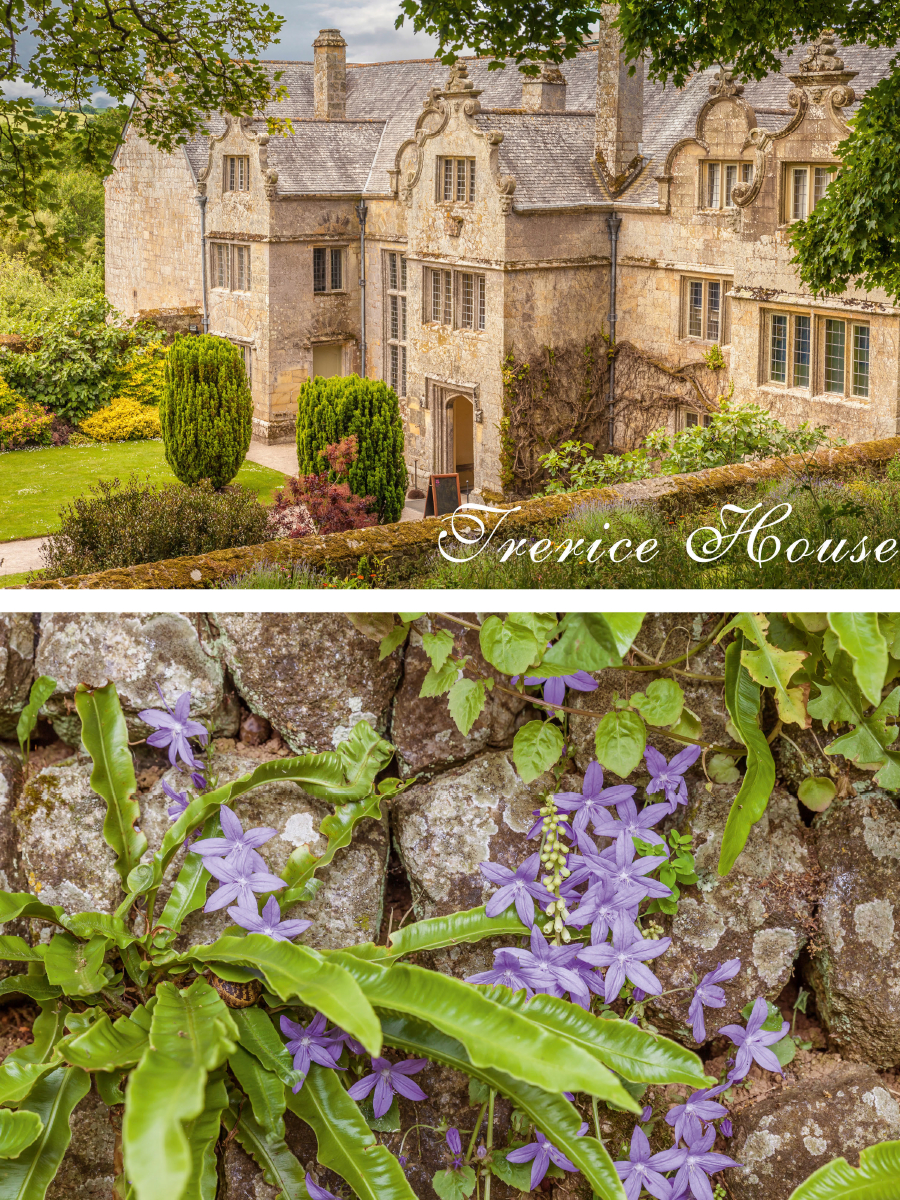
(549, 154)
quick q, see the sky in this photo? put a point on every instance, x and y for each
(368, 29)
(367, 26)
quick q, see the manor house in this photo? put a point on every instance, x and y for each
(485, 198)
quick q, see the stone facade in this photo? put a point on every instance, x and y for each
(518, 255)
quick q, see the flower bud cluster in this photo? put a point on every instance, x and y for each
(554, 855)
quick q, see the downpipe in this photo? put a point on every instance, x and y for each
(612, 224)
(201, 200)
(362, 211)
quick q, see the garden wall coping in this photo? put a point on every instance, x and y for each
(405, 543)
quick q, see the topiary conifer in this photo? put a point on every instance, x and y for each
(329, 410)
(206, 411)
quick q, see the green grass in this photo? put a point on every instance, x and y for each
(36, 484)
(7, 581)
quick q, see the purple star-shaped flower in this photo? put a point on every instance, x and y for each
(507, 971)
(754, 1041)
(387, 1079)
(590, 803)
(605, 906)
(698, 1107)
(316, 1192)
(631, 822)
(239, 882)
(179, 801)
(268, 922)
(669, 777)
(311, 1043)
(696, 1164)
(454, 1142)
(555, 688)
(349, 1041)
(623, 868)
(627, 959)
(708, 994)
(235, 843)
(546, 968)
(643, 1170)
(173, 728)
(541, 1153)
(519, 888)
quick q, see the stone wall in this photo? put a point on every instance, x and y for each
(152, 230)
(406, 545)
(809, 903)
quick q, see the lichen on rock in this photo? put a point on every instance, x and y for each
(17, 639)
(274, 657)
(854, 975)
(64, 858)
(136, 651)
(791, 1132)
(760, 912)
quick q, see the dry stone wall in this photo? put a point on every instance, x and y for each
(810, 903)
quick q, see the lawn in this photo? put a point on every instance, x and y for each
(35, 484)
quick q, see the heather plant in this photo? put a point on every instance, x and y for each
(123, 524)
(330, 410)
(206, 411)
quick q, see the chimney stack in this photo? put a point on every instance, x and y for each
(545, 92)
(620, 104)
(330, 76)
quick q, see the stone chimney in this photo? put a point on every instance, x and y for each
(620, 105)
(545, 92)
(330, 76)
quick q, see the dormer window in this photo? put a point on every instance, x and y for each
(718, 181)
(237, 173)
(456, 180)
(804, 188)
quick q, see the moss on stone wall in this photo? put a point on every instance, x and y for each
(406, 545)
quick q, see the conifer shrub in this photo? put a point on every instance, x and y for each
(206, 411)
(330, 410)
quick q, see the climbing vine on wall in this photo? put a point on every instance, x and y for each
(561, 393)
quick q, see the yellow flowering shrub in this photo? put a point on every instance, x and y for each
(144, 374)
(8, 398)
(124, 420)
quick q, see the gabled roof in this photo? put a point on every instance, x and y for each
(549, 154)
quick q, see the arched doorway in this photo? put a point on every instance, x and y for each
(461, 440)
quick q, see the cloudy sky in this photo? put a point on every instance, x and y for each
(367, 25)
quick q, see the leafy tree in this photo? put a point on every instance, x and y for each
(854, 232)
(178, 59)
